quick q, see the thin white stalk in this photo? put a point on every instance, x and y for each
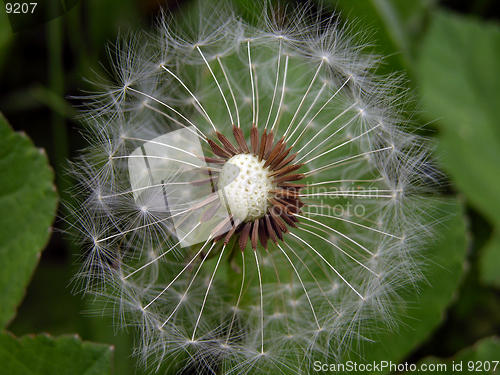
(162, 255)
(163, 144)
(341, 250)
(321, 109)
(192, 280)
(143, 188)
(337, 147)
(303, 99)
(307, 112)
(301, 283)
(176, 277)
(261, 305)
(239, 296)
(217, 82)
(312, 275)
(326, 126)
(257, 101)
(345, 194)
(275, 85)
(333, 268)
(144, 226)
(202, 137)
(250, 67)
(308, 173)
(336, 231)
(353, 223)
(326, 139)
(283, 89)
(280, 288)
(208, 290)
(165, 158)
(340, 181)
(167, 106)
(230, 90)
(192, 95)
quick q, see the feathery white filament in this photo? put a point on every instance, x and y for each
(321, 272)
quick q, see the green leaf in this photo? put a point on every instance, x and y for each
(482, 357)
(59, 311)
(458, 76)
(397, 25)
(42, 354)
(426, 310)
(489, 261)
(27, 202)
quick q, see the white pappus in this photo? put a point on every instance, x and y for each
(252, 196)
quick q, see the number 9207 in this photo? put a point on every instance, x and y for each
(19, 8)
(482, 366)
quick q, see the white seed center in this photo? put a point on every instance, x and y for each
(244, 186)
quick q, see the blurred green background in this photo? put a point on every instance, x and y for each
(450, 51)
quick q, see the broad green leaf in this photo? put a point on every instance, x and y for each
(45, 355)
(489, 261)
(482, 357)
(397, 25)
(426, 310)
(459, 78)
(27, 205)
(59, 311)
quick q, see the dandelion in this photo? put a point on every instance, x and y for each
(251, 196)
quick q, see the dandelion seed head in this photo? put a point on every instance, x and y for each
(247, 195)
